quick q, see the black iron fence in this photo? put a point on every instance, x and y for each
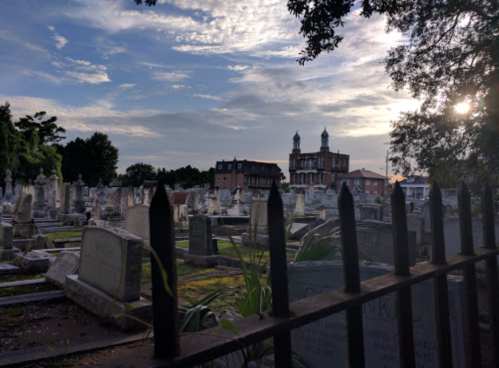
(173, 350)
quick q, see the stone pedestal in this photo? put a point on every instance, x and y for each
(24, 231)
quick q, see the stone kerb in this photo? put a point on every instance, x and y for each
(137, 221)
(375, 241)
(325, 341)
(111, 261)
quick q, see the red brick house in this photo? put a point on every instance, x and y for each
(252, 174)
(316, 169)
(364, 181)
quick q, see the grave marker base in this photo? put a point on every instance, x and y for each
(106, 307)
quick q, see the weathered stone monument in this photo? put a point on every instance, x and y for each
(40, 205)
(257, 229)
(416, 223)
(235, 207)
(109, 275)
(113, 211)
(22, 217)
(137, 221)
(200, 236)
(300, 202)
(7, 249)
(8, 186)
(52, 196)
(65, 205)
(65, 264)
(130, 197)
(214, 206)
(375, 241)
(79, 203)
(325, 341)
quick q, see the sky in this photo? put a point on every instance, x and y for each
(190, 82)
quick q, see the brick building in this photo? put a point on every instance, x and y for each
(317, 169)
(364, 181)
(252, 174)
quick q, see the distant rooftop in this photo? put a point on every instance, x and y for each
(363, 173)
(416, 180)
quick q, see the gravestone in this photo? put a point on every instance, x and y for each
(452, 234)
(322, 212)
(113, 209)
(39, 205)
(7, 249)
(109, 275)
(324, 342)
(36, 261)
(22, 217)
(235, 207)
(8, 186)
(65, 205)
(79, 203)
(97, 209)
(286, 198)
(100, 190)
(65, 264)
(300, 202)
(425, 213)
(329, 199)
(200, 243)
(375, 241)
(180, 213)
(111, 261)
(130, 197)
(137, 221)
(214, 207)
(416, 223)
(225, 196)
(258, 215)
(52, 196)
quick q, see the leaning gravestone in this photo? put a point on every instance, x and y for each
(324, 342)
(109, 275)
(65, 264)
(200, 236)
(375, 241)
(137, 221)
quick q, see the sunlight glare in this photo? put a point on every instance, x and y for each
(462, 107)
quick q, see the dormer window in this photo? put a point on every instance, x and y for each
(410, 180)
(230, 166)
(219, 167)
(239, 166)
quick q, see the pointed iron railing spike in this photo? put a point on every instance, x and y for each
(278, 262)
(399, 226)
(351, 276)
(465, 221)
(470, 303)
(437, 226)
(165, 307)
(491, 270)
(348, 233)
(440, 287)
(489, 236)
(278, 275)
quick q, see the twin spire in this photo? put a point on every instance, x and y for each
(324, 141)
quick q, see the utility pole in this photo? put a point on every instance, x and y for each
(386, 174)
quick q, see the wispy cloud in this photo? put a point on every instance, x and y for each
(176, 76)
(237, 68)
(126, 85)
(92, 78)
(82, 71)
(51, 28)
(209, 97)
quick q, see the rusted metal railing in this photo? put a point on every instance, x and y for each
(284, 317)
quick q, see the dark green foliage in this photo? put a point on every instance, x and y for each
(452, 56)
(137, 173)
(94, 158)
(187, 176)
(23, 151)
(47, 130)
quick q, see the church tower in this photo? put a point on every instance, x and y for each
(296, 143)
(324, 141)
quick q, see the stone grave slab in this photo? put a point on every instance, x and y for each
(375, 241)
(137, 221)
(111, 261)
(65, 264)
(35, 261)
(8, 269)
(200, 243)
(324, 342)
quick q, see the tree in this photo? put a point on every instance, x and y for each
(23, 152)
(137, 173)
(94, 158)
(451, 58)
(47, 130)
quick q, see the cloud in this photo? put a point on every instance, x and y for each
(209, 97)
(61, 41)
(51, 28)
(126, 85)
(176, 76)
(237, 68)
(94, 78)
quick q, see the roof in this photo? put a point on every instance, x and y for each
(415, 180)
(248, 167)
(359, 174)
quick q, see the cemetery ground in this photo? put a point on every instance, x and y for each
(47, 325)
